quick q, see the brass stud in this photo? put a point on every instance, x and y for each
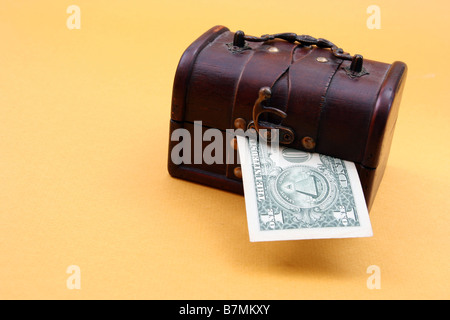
(240, 123)
(237, 172)
(308, 143)
(273, 49)
(322, 59)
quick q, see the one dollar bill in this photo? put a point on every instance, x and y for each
(291, 194)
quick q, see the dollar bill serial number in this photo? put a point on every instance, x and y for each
(226, 309)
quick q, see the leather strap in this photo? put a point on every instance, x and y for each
(309, 80)
(269, 62)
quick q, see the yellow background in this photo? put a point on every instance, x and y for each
(84, 129)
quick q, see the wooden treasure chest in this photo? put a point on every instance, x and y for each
(320, 98)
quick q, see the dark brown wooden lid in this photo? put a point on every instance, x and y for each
(184, 69)
(348, 118)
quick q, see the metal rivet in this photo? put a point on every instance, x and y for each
(238, 172)
(273, 49)
(322, 59)
(308, 143)
(240, 123)
(287, 137)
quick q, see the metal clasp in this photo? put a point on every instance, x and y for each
(286, 135)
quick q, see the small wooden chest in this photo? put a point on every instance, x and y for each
(329, 102)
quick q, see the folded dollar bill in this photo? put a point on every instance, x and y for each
(291, 194)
